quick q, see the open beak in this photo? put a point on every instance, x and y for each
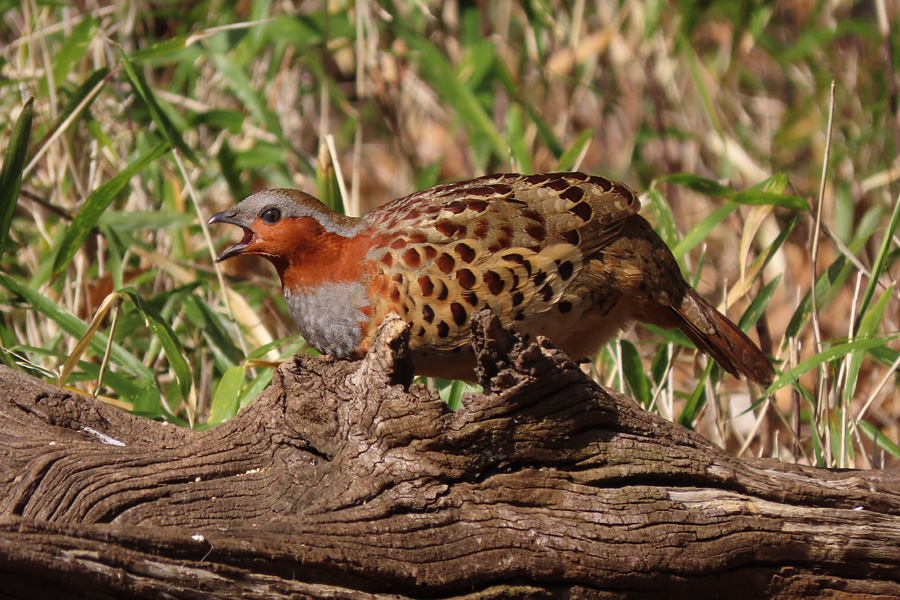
(229, 216)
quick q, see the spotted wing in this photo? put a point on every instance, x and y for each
(512, 243)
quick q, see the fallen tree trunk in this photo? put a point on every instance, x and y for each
(338, 482)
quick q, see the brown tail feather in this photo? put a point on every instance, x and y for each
(712, 332)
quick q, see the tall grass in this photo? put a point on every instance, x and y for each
(149, 117)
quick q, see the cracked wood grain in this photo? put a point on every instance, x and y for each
(343, 481)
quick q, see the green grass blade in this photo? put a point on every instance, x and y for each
(759, 305)
(74, 47)
(769, 253)
(837, 351)
(328, 187)
(90, 86)
(447, 83)
(256, 387)
(240, 84)
(545, 132)
(705, 186)
(880, 263)
(165, 125)
(160, 49)
(75, 326)
(830, 280)
(697, 399)
(766, 198)
(94, 206)
(226, 399)
(167, 338)
(13, 165)
(665, 220)
(633, 371)
(878, 437)
(867, 327)
(521, 153)
(567, 160)
(699, 232)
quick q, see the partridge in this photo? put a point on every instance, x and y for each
(563, 255)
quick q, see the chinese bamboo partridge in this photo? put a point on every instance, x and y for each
(564, 255)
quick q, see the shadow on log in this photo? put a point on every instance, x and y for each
(339, 482)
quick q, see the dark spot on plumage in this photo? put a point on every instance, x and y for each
(430, 251)
(506, 230)
(622, 190)
(481, 230)
(578, 176)
(465, 252)
(445, 262)
(477, 205)
(395, 294)
(520, 316)
(538, 179)
(414, 213)
(604, 183)
(443, 330)
(573, 194)
(517, 298)
(431, 209)
(536, 231)
(388, 259)
(428, 313)
(398, 277)
(533, 215)
(459, 313)
(418, 237)
(564, 306)
(515, 281)
(421, 331)
(519, 259)
(412, 258)
(546, 293)
(559, 184)
(426, 285)
(565, 268)
(456, 207)
(572, 236)
(471, 298)
(442, 295)
(642, 286)
(481, 190)
(540, 278)
(405, 308)
(466, 278)
(494, 282)
(448, 228)
(457, 349)
(583, 211)
(398, 244)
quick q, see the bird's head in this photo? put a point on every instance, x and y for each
(288, 227)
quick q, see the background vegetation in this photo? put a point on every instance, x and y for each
(150, 116)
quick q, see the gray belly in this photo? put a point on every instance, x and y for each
(329, 315)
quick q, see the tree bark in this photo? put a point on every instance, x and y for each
(339, 482)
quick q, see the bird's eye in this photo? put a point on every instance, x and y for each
(270, 216)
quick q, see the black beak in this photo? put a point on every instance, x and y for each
(230, 216)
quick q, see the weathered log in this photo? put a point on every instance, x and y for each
(340, 482)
